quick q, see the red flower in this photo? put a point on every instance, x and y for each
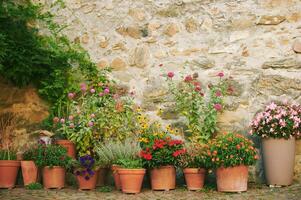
(238, 146)
(175, 142)
(146, 155)
(170, 74)
(188, 78)
(218, 106)
(196, 83)
(220, 74)
(178, 152)
(198, 88)
(159, 144)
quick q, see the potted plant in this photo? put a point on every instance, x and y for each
(28, 166)
(160, 153)
(86, 173)
(9, 168)
(231, 154)
(54, 161)
(131, 175)
(194, 166)
(110, 152)
(278, 125)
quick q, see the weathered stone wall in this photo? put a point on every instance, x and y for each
(256, 42)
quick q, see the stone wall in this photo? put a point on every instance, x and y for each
(256, 42)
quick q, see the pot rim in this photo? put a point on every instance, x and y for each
(131, 171)
(194, 170)
(57, 167)
(12, 163)
(165, 166)
(64, 142)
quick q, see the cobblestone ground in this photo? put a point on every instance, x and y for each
(255, 192)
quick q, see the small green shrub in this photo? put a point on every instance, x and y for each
(105, 189)
(34, 186)
(8, 155)
(135, 163)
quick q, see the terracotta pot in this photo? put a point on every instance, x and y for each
(54, 177)
(279, 160)
(8, 173)
(84, 184)
(131, 180)
(69, 146)
(116, 176)
(163, 178)
(102, 176)
(194, 178)
(29, 172)
(232, 179)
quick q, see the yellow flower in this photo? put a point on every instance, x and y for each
(145, 140)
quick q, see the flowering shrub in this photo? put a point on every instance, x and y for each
(85, 167)
(158, 148)
(278, 121)
(97, 113)
(190, 100)
(229, 150)
(194, 157)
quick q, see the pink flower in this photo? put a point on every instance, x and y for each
(218, 106)
(106, 91)
(71, 117)
(62, 120)
(92, 115)
(188, 78)
(56, 119)
(218, 93)
(71, 95)
(170, 74)
(71, 125)
(92, 90)
(220, 74)
(83, 87)
(198, 88)
(100, 94)
(90, 124)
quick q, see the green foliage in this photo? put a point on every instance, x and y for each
(130, 163)
(34, 186)
(7, 154)
(194, 157)
(29, 154)
(105, 189)
(48, 61)
(229, 150)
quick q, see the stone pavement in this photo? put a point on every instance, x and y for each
(255, 192)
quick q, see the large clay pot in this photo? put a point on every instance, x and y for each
(84, 184)
(69, 146)
(131, 180)
(8, 173)
(279, 160)
(232, 179)
(29, 172)
(163, 178)
(194, 178)
(54, 177)
(116, 176)
(102, 176)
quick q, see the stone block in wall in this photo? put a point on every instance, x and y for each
(270, 20)
(139, 56)
(285, 63)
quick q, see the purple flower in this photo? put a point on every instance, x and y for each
(71, 95)
(87, 178)
(90, 124)
(77, 173)
(106, 91)
(92, 90)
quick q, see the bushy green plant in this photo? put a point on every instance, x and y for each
(135, 163)
(229, 150)
(191, 102)
(194, 157)
(29, 154)
(7, 154)
(34, 186)
(110, 152)
(105, 189)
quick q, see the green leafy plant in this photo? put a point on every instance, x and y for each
(30, 154)
(229, 150)
(34, 186)
(135, 163)
(7, 154)
(194, 157)
(190, 98)
(52, 155)
(105, 189)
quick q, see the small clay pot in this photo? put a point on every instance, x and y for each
(29, 172)
(102, 176)
(163, 178)
(131, 180)
(54, 177)
(8, 173)
(232, 179)
(116, 176)
(194, 178)
(89, 184)
(69, 146)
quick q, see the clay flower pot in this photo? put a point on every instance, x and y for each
(194, 178)
(102, 176)
(279, 160)
(8, 173)
(69, 146)
(84, 184)
(116, 176)
(54, 177)
(131, 180)
(232, 179)
(29, 172)
(163, 178)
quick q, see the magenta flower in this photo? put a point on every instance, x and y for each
(220, 74)
(106, 91)
(218, 106)
(218, 93)
(198, 88)
(62, 120)
(56, 120)
(83, 87)
(188, 78)
(71, 125)
(71, 117)
(92, 115)
(71, 95)
(100, 94)
(92, 90)
(90, 124)
(170, 74)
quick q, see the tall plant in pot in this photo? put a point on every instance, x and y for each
(29, 168)
(231, 154)
(160, 153)
(54, 161)
(9, 167)
(194, 165)
(131, 174)
(278, 126)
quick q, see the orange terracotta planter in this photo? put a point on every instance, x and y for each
(131, 180)
(232, 179)
(29, 172)
(116, 176)
(84, 184)
(69, 146)
(54, 177)
(8, 173)
(194, 178)
(102, 176)
(163, 178)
